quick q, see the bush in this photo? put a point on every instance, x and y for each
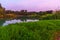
(51, 16)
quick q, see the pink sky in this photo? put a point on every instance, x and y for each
(31, 5)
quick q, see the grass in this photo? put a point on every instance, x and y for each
(40, 30)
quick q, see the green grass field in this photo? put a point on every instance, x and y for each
(41, 30)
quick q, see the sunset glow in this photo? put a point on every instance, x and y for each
(31, 5)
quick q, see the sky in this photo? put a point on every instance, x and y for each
(31, 5)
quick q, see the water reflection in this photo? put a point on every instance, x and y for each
(17, 21)
(2, 21)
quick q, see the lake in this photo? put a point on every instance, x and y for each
(13, 21)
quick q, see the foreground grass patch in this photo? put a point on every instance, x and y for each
(41, 30)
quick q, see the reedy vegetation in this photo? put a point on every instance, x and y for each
(40, 30)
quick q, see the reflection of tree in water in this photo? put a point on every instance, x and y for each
(2, 21)
(24, 18)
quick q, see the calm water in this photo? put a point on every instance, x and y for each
(6, 22)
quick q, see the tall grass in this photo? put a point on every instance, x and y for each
(41, 30)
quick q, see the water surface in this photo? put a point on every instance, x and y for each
(17, 21)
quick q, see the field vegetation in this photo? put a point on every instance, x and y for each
(40, 30)
(44, 29)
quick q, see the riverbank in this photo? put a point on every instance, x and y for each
(40, 30)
